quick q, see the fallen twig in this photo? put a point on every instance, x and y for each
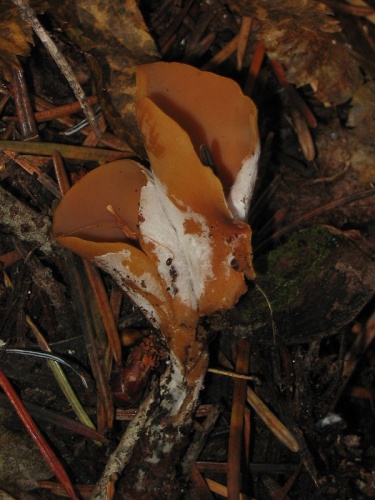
(67, 151)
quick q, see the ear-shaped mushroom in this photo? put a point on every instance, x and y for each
(167, 235)
(88, 221)
(214, 112)
(87, 213)
(214, 248)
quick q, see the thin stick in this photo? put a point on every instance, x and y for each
(227, 373)
(29, 16)
(108, 139)
(254, 69)
(236, 422)
(272, 422)
(223, 54)
(56, 112)
(34, 170)
(66, 151)
(220, 489)
(25, 113)
(245, 29)
(105, 310)
(60, 172)
(294, 97)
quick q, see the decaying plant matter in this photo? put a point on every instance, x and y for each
(172, 237)
(298, 421)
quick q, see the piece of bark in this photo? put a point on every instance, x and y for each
(25, 223)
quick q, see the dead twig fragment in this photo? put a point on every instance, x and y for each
(284, 491)
(29, 16)
(67, 151)
(301, 128)
(25, 113)
(246, 25)
(227, 373)
(105, 310)
(33, 170)
(59, 111)
(201, 486)
(222, 55)
(221, 490)
(115, 300)
(236, 422)
(294, 97)
(271, 421)
(254, 69)
(92, 140)
(75, 276)
(197, 44)
(200, 438)
(302, 116)
(108, 139)
(4, 100)
(60, 172)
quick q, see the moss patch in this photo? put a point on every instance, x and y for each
(283, 275)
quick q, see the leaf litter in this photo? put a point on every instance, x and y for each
(318, 278)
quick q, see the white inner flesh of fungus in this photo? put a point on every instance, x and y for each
(115, 264)
(242, 190)
(183, 259)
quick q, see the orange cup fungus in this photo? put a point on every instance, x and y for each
(173, 236)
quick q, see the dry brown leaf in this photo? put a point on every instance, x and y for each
(122, 43)
(15, 37)
(300, 34)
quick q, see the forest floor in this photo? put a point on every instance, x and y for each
(308, 319)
